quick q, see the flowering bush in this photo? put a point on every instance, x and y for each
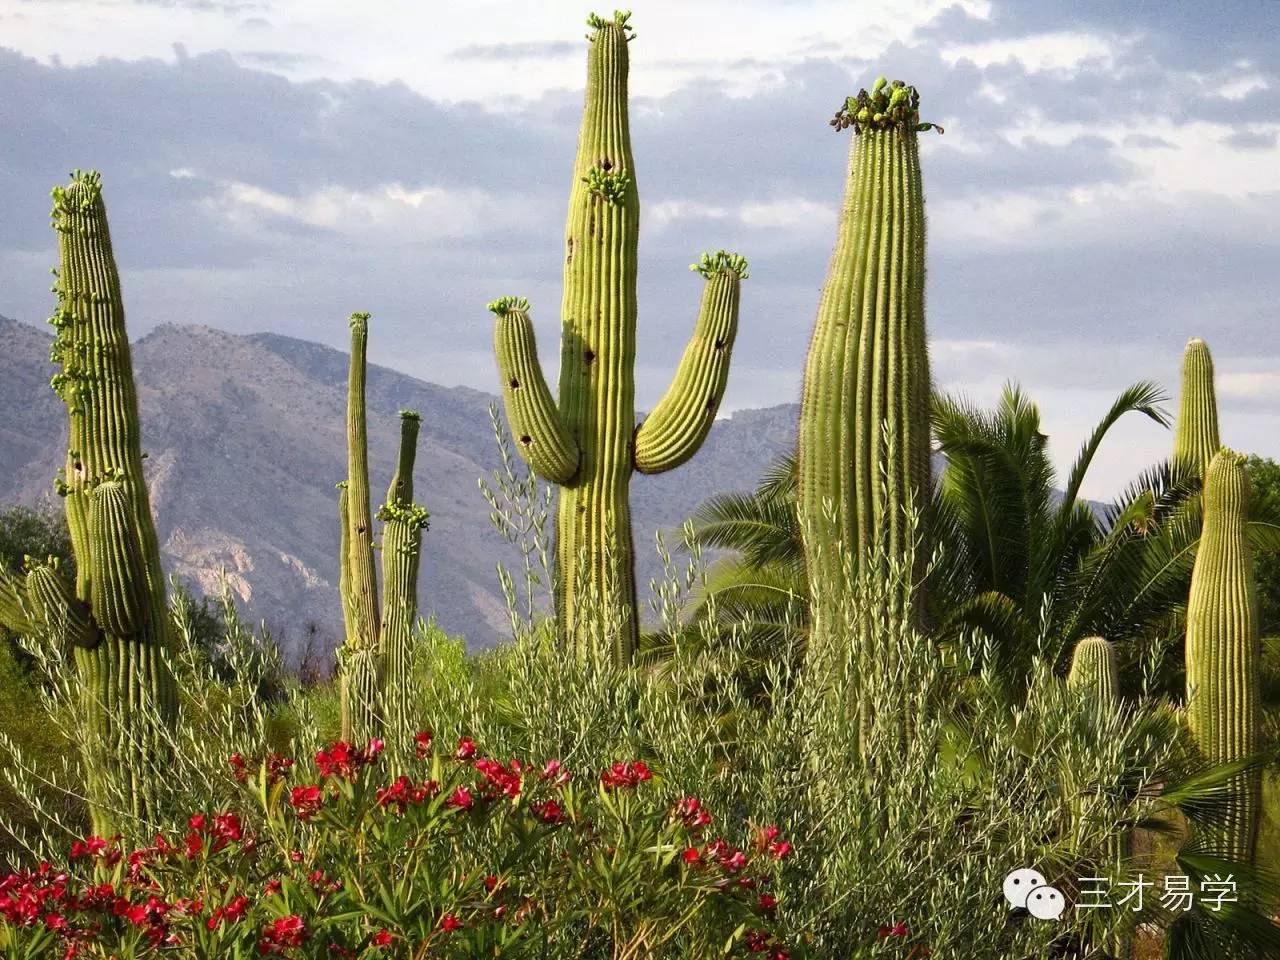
(464, 855)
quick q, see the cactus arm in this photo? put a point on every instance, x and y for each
(542, 437)
(344, 558)
(677, 426)
(1195, 438)
(403, 523)
(119, 603)
(401, 489)
(53, 602)
(362, 574)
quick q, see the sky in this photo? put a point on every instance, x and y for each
(1108, 185)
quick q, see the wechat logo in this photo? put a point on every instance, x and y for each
(1027, 890)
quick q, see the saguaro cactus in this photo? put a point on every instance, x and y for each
(360, 663)
(1093, 669)
(1223, 652)
(402, 524)
(1195, 438)
(588, 443)
(114, 621)
(376, 657)
(864, 420)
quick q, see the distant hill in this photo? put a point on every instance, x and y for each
(246, 438)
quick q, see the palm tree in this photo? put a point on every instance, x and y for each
(758, 591)
(1035, 570)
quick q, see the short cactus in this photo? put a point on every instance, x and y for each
(587, 442)
(1223, 650)
(1195, 438)
(863, 444)
(1093, 671)
(114, 621)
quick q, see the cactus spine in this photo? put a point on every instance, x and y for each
(587, 443)
(1093, 670)
(402, 524)
(1195, 439)
(864, 422)
(114, 620)
(361, 665)
(1223, 651)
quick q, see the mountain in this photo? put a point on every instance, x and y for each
(246, 438)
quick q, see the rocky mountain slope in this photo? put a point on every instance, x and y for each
(246, 438)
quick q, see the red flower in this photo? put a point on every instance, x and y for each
(450, 923)
(692, 856)
(381, 939)
(625, 775)
(466, 748)
(88, 847)
(422, 744)
(278, 767)
(555, 772)
(767, 903)
(491, 883)
(232, 912)
(396, 795)
(194, 844)
(501, 780)
(460, 798)
(226, 826)
(239, 769)
(286, 932)
(306, 801)
(373, 750)
(899, 929)
(691, 813)
(548, 811)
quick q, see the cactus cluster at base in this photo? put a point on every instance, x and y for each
(864, 433)
(585, 440)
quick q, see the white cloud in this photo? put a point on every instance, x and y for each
(423, 213)
(413, 42)
(795, 216)
(1262, 385)
(1061, 50)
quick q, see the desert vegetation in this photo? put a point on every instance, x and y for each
(911, 661)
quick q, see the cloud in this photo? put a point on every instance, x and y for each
(1096, 200)
(515, 51)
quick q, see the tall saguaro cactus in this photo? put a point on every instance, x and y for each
(114, 620)
(361, 665)
(1223, 651)
(1195, 438)
(402, 524)
(863, 440)
(587, 442)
